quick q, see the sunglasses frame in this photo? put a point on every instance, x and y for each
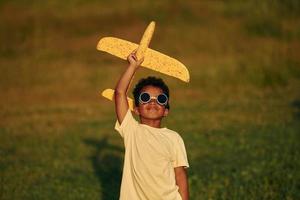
(152, 97)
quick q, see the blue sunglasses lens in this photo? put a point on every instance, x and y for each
(162, 99)
(145, 97)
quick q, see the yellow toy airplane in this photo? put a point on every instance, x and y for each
(152, 59)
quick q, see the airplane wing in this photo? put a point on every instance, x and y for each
(153, 59)
(109, 94)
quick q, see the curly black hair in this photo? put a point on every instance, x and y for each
(153, 81)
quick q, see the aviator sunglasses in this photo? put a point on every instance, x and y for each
(161, 99)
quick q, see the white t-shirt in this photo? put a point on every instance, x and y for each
(151, 154)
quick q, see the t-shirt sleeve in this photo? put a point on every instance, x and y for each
(128, 125)
(180, 156)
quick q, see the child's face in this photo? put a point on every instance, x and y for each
(151, 110)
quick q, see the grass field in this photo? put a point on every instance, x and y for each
(239, 116)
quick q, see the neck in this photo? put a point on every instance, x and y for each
(151, 122)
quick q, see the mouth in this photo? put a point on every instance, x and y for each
(152, 108)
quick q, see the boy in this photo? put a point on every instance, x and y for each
(155, 158)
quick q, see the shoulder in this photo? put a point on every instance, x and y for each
(128, 125)
(172, 134)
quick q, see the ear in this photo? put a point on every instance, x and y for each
(136, 110)
(166, 112)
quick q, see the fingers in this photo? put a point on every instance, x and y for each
(139, 62)
(133, 54)
(132, 58)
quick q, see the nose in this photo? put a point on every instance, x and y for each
(152, 101)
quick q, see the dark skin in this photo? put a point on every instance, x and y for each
(182, 182)
(150, 114)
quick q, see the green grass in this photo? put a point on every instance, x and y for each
(239, 115)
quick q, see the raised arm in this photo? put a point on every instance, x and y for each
(182, 182)
(121, 103)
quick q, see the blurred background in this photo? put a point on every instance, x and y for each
(239, 115)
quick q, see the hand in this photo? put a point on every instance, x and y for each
(133, 60)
